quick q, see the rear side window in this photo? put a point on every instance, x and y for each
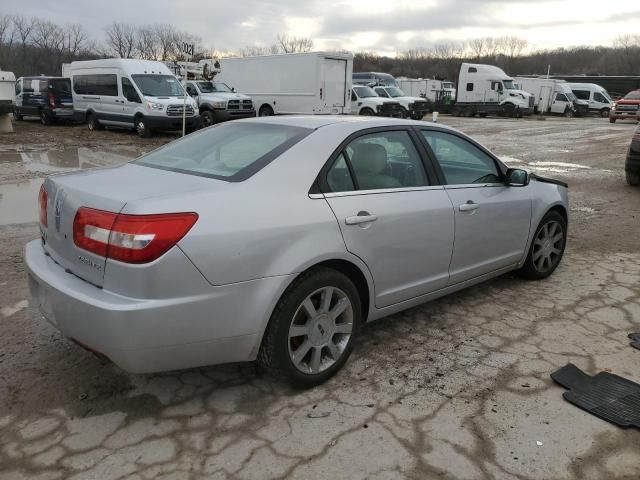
(226, 152)
(582, 94)
(99, 84)
(469, 87)
(377, 161)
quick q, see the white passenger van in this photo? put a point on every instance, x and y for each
(129, 93)
(598, 98)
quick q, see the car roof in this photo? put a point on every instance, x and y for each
(319, 121)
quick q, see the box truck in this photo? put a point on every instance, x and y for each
(552, 96)
(486, 89)
(292, 83)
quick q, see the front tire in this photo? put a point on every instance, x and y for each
(18, 116)
(312, 329)
(604, 113)
(45, 118)
(367, 112)
(265, 111)
(612, 120)
(547, 247)
(633, 178)
(141, 127)
(568, 113)
(207, 118)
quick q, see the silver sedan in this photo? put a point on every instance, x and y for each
(276, 239)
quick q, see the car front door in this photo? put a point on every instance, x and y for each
(492, 220)
(560, 103)
(392, 214)
(130, 100)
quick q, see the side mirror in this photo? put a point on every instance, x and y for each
(516, 177)
(233, 89)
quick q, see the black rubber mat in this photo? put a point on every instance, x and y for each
(605, 395)
(635, 340)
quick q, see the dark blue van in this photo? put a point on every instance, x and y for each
(48, 98)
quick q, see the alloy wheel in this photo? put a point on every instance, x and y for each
(547, 246)
(320, 330)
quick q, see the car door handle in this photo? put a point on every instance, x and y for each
(470, 206)
(362, 217)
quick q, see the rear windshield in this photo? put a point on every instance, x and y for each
(232, 151)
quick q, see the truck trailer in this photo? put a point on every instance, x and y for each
(293, 83)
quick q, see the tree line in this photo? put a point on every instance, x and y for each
(32, 46)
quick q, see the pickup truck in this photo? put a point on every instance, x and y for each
(627, 108)
(364, 101)
(413, 107)
(219, 103)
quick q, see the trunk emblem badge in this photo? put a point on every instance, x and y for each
(58, 209)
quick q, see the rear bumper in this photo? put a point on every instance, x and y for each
(148, 335)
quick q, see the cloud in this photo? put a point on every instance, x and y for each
(380, 25)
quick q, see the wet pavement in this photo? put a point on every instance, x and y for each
(457, 389)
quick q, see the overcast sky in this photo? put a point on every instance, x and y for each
(384, 26)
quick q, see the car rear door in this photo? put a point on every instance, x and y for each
(492, 219)
(392, 213)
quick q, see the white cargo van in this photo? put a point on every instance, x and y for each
(597, 97)
(484, 89)
(552, 96)
(293, 83)
(140, 94)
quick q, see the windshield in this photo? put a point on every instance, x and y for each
(364, 92)
(158, 85)
(226, 152)
(606, 95)
(510, 85)
(210, 87)
(633, 95)
(395, 92)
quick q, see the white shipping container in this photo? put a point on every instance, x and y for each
(295, 83)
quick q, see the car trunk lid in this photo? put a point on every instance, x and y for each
(102, 189)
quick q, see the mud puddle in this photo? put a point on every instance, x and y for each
(19, 201)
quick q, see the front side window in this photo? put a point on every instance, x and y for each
(377, 161)
(395, 92)
(18, 88)
(129, 91)
(211, 87)
(27, 85)
(364, 92)
(598, 97)
(461, 162)
(561, 97)
(227, 152)
(158, 85)
(381, 92)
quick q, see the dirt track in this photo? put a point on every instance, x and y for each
(458, 388)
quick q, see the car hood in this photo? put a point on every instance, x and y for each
(628, 101)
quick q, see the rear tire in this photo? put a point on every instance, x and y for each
(547, 247)
(313, 328)
(633, 178)
(265, 111)
(45, 118)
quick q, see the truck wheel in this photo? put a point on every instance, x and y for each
(468, 112)
(633, 178)
(483, 114)
(604, 113)
(141, 127)
(265, 111)
(612, 120)
(568, 113)
(45, 118)
(93, 123)
(366, 112)
(404, 112)
(455, 111)
(207, 118)
(17, 116)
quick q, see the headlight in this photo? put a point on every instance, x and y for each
(155, 106)
(219, 105)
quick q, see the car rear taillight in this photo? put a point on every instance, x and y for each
(52, 100)
(129, 238)
(43, 198)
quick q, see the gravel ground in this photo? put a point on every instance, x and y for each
(458, 388)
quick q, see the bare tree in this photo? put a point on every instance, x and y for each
(7, 34)
(121, 39)
(75, 39)
(147, 44)
(23, 27)
(630, 46)
(167, 38)
(477, 48)
(292, 44)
